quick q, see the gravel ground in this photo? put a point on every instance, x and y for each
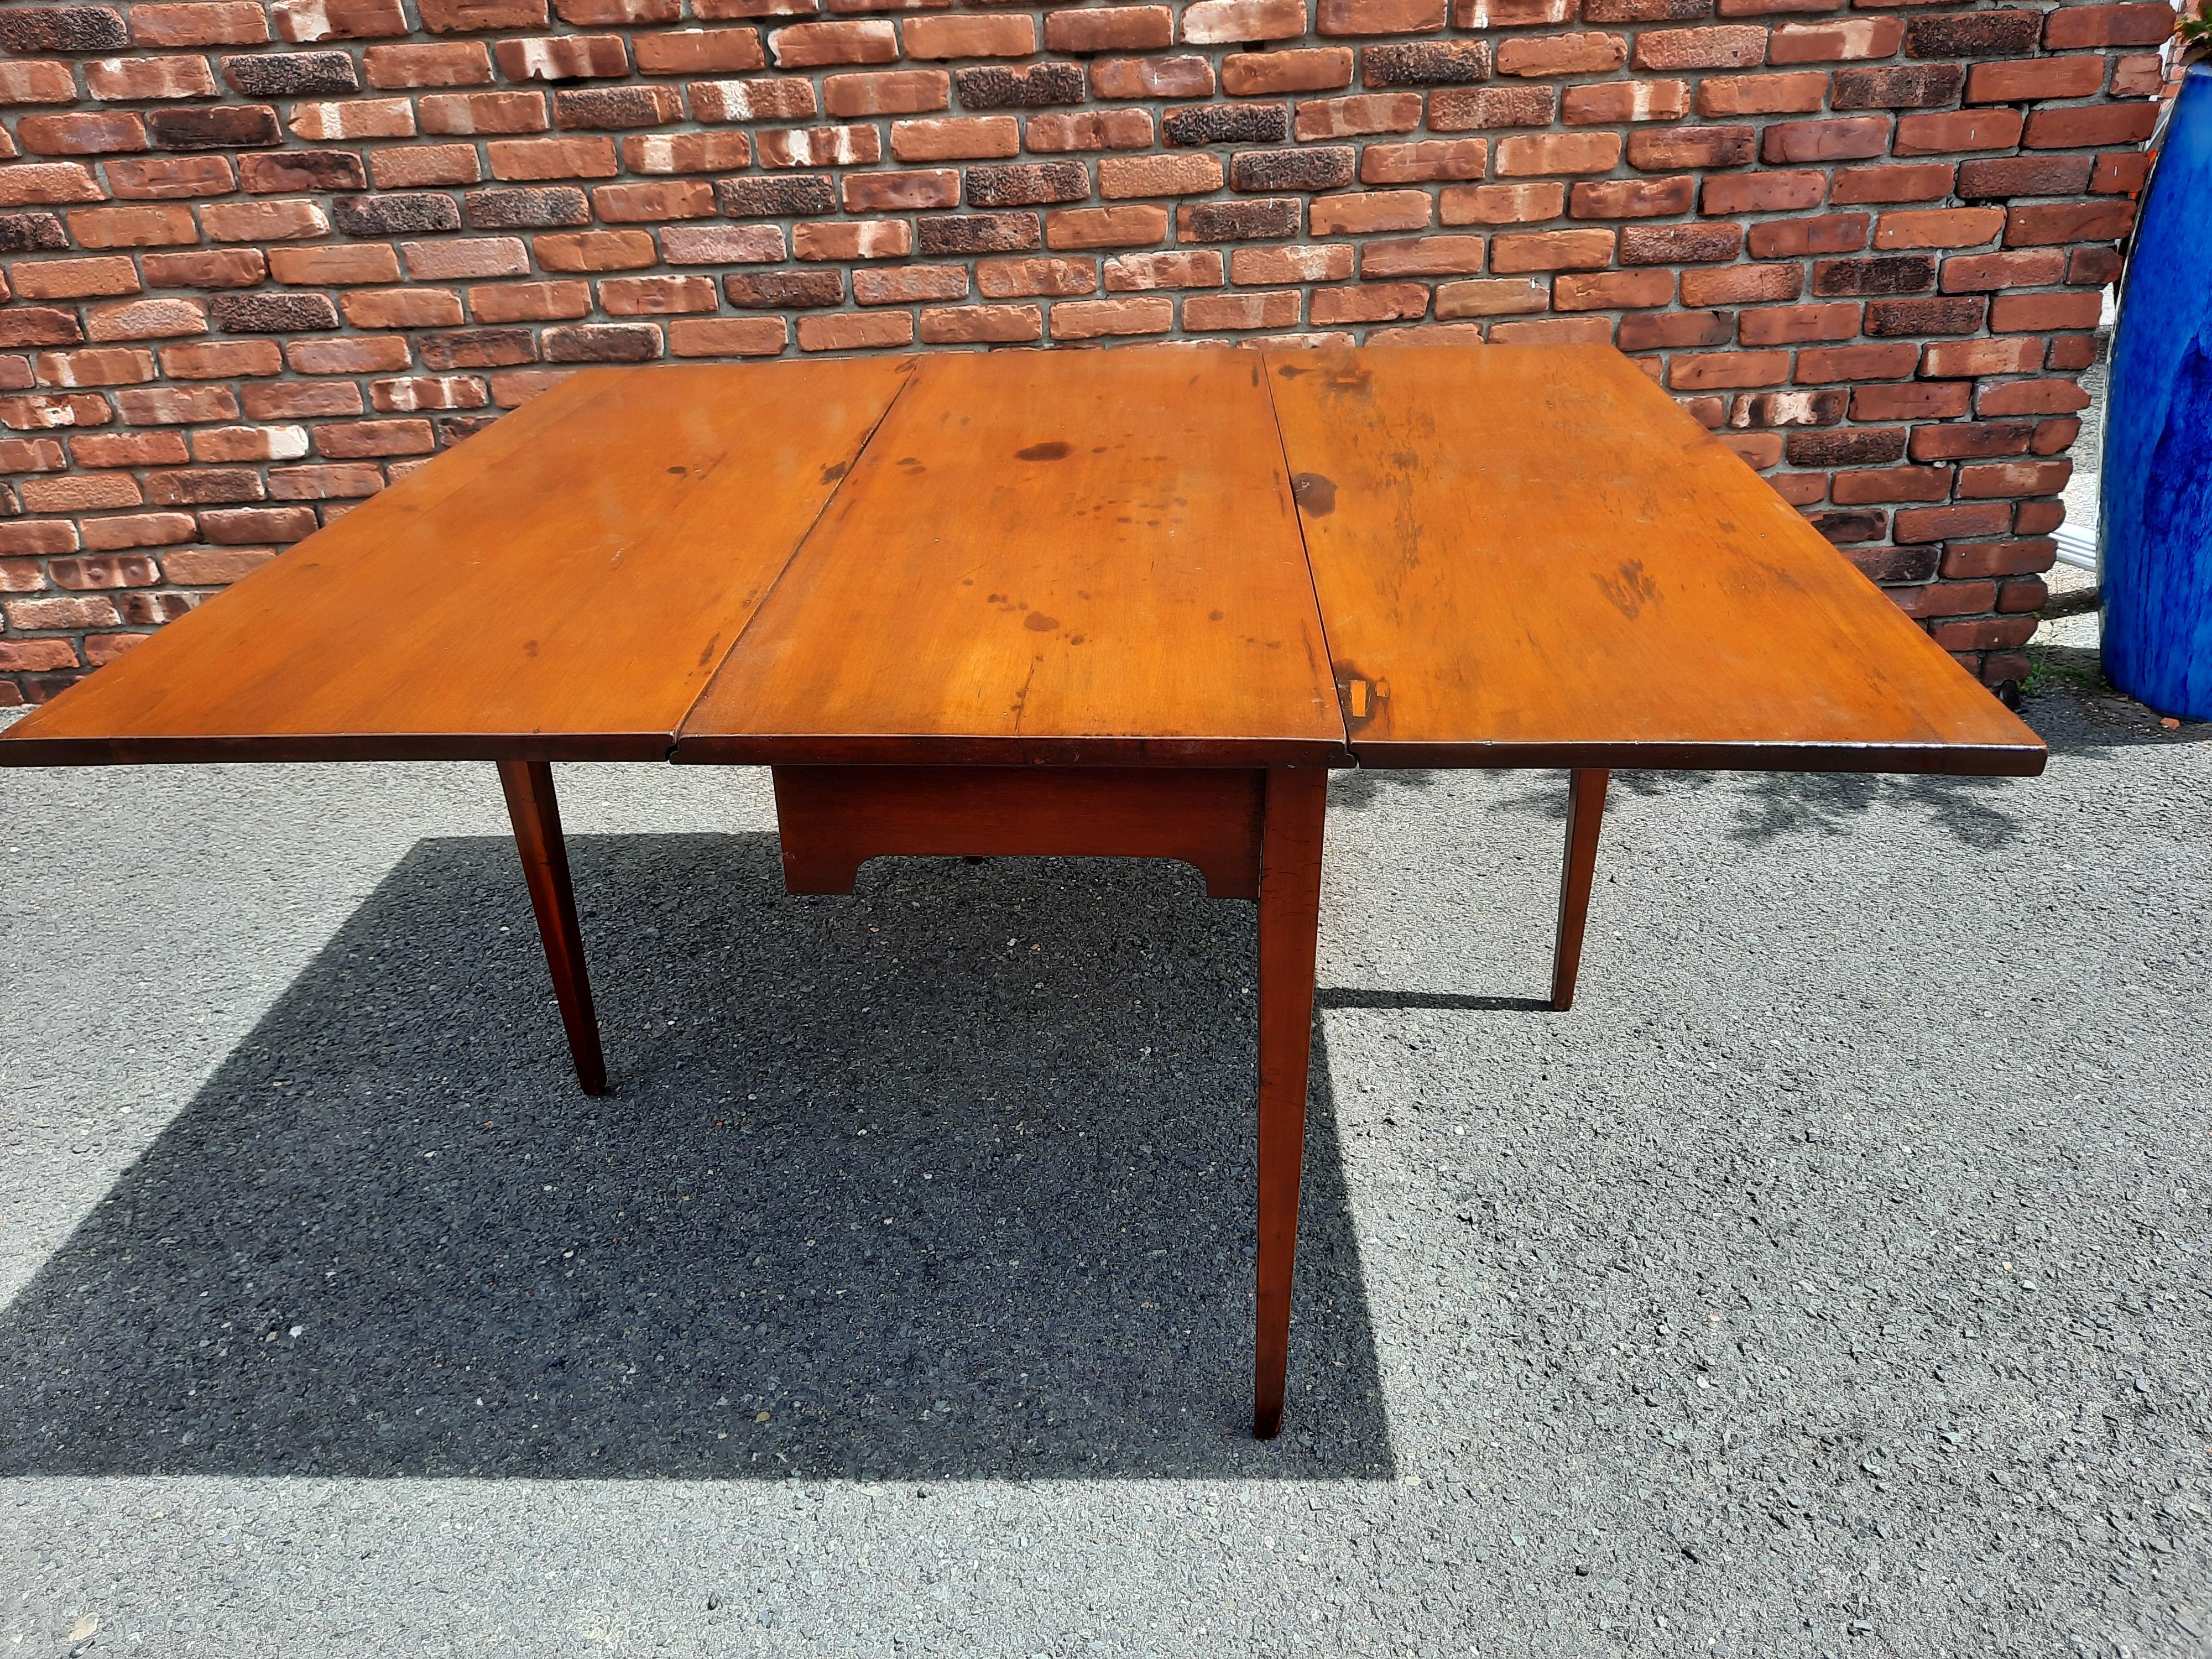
(1832, 1281)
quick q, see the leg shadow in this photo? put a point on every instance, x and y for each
(950, 1179)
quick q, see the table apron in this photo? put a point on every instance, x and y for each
(835, 818)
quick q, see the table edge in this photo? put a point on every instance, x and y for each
(32, 749)
(940, 750)
(1957, 759)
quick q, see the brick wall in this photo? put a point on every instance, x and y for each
(262, 258)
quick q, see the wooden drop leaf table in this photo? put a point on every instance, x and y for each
(1135, 602)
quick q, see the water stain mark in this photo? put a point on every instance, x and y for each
(1316, 493)
(1630, 591)
(1055, 450)
(1038, 622)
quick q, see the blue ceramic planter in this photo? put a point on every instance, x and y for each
(2154, 513)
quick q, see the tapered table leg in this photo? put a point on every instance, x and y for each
(529, 788)
(1289, 915)
(1585, 812)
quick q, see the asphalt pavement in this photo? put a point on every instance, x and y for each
(1832, 1281)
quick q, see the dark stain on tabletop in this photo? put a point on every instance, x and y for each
(1055, 450)
(1316, 493)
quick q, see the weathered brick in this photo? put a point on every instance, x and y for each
(780, 197)
(28, 30)
(229, 126)
(292, 74)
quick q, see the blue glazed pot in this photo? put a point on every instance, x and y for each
(2155, 512)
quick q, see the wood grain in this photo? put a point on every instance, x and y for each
(1528, 555)
(535, 811)
(832, 819)
(1290, 923)
(559, 587)
(1058, 558)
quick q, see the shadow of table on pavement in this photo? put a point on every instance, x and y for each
(950, 1179)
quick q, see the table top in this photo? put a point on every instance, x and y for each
(1407, 555)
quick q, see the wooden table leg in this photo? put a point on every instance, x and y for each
(1289, 916)
(1585, 812)
(536, 816)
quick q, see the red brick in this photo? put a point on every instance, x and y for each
(440, 63)
(1369, 302)
(424, 165)
(484, 113)
(356, 440)
(899, 192)
(1828, 43)
(1525, 155)
(318, 267)
(1151, 77)
(1503, 204)
(1613, 290)
(1061, 132)
(1137, 273)
(1731, 285)
(1761, 94)
(1260, 74)
(1231, 313)
(1112, 226)
(1958, 130)
(36, 183)
(1889, 360)
(722, 245)
(1555, 250)
(532, 159)
(954, 36)
(371, 354)
(1030, 276)
(1795, 324)
(1763, 192)
(1340, 17)
(1849, 138)
(899, 285)
(2012, 314)
(855, 331)
(1361, 213)
(1423, 162)
(285, 400)
(981, 325)
(1262, 265)
(1674, 150)
(686, 152)
(563, 57)
(1605, 103)
(1979, 273)
(1362, 113)
(1122, 177)
(1633, 199)
(595, 250)
(2043, 225)
(2076, 25)
(84, 575)
(1465, 109)
(89, 132)
(169, 178)
(1226, 22)
(1092, 319)
(465, 16)
(2024, 80)
(137, 80)
(890, 92)
(2090, 125)
(1553, 331)
(811, 45)
(536, 303)
(69, 279)
(1562, 54)
(1727, 46)
(700, 51)
(729, 337)
(219, 24)
(956, 138)
(1109, 29)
